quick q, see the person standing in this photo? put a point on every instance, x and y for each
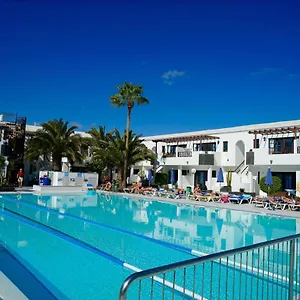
(20, 177)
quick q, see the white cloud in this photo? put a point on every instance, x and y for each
(169, 76)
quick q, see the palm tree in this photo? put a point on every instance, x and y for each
(98, 137)
(56, 139)
(128, 95)
(137, 151)
(98, 143)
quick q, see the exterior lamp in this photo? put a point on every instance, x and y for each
(193, 172)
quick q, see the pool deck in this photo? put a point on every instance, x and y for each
(241, 207)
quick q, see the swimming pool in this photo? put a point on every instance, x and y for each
(141, 233)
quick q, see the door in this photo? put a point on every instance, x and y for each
(201, 178)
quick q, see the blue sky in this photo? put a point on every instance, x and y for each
(203, 64)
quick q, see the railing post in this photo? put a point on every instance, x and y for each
(291, 267)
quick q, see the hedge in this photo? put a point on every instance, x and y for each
(272, 189)
(161, 178)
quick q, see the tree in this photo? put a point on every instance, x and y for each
(137, 151)
(98, 138)
(128, 96)
(56, 139)
(98, 143)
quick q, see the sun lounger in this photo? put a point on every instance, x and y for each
(295, 206)
(259, 202)
(240, 199)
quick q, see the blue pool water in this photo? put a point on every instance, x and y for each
(126, 229)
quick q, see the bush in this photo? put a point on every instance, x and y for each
(161, 178)
(272, 189)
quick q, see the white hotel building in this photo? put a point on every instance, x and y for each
(246, 150)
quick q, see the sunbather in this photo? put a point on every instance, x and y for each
(197, 190)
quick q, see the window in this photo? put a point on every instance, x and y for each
(255, 143)
(225, 146)
(205, 147)
(281, 145)
(171, 151)
(214, 174)
(185, 172)
(163, 149)
(135, 171)
(288, 179)
(172, 148)
(182, 146)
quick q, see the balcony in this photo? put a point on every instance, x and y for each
(282, 150)
(189, 157)
(172, 154)
(186, 153)
(206, 159)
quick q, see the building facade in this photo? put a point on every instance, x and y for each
(247, 151)
(195, 157)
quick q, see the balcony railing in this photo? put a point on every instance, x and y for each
(172, 154)
(280, 150)
(187, 153)
(267, 270)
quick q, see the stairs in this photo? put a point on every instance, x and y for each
(158, 169)
(241, 168)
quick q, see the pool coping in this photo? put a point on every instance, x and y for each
(239, 207)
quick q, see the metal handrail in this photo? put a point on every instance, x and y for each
(195, 261)
(239, 166)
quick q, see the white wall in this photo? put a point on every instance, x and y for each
(262, 156)
(187, 180)
(227, 159)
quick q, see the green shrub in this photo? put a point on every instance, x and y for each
(272, 189)
(161, 178)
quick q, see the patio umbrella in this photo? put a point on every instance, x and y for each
(220, 177)
(269, 179)
(150, 176)
(172, 178)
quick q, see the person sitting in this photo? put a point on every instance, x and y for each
(197, 190)
(136, 188)
(108, 186)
